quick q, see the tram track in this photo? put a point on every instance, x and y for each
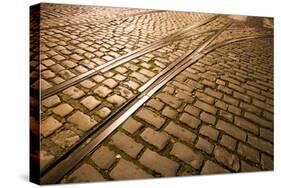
(57, 170)
(93, 138)
(125, 58)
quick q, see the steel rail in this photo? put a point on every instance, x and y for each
(123, 59)
(67, 164)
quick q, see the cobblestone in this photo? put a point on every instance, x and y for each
(208, 118)
(159, 163)
(248, 152)
(180, 132)
(103, 157)
(51, 101)
(187, 155)
(228, 159)
(216, 116)
(116, 100)
(228, 142)
(170, 100)
(231, 130)
(151, 117)
(206, 107)
(132, 171)
(82, 121)
(159, 140)
(74, 92)
(63, 109)
(169, 112)
(49, 126)
(212, 168)
(190, 120)
(90, 102)
(209, 131)
(204, 145)
(156, 104)
(85, 173)
(126, 144)
(102, 91)
(65, 138)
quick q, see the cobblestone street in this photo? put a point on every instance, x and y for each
(192, 93)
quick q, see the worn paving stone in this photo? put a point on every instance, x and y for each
(74, 92)
(266, 134)
(182, 86)
(63, 109)
(131, 125)
(102, 91)
(126, 144)
(69, 64)
(245, 167)
(155, 138)
(260, 121)
(48, 74)
(228, 159)
(131, 171)
(121, 70)
(190, 120)
(85, 173)
(213, 93)
(192, 110)
(243, 123)
(205, 107)
(65, 138)
(110, 83)
(205, 98)
(125, 92)
(82, 121)
(208, 118)
(104, 112)
(267, 162)
(116, 100)
(90, 102)
(51, 101)
(139, 77)
(228, 142)
(87, 84)
(49, 126)
(180, 132)
(132, 84)
(212, 168)
(260, 144)
(156, 104)
(103, 157)
(169, 112)
(248, 152)
(209, 131)
(160, 164)
(98, 78)
(231, 130)
(187, 155)
(48, 62)
(151, 117)
(204, 145)
(170, 100)
(66, 74)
